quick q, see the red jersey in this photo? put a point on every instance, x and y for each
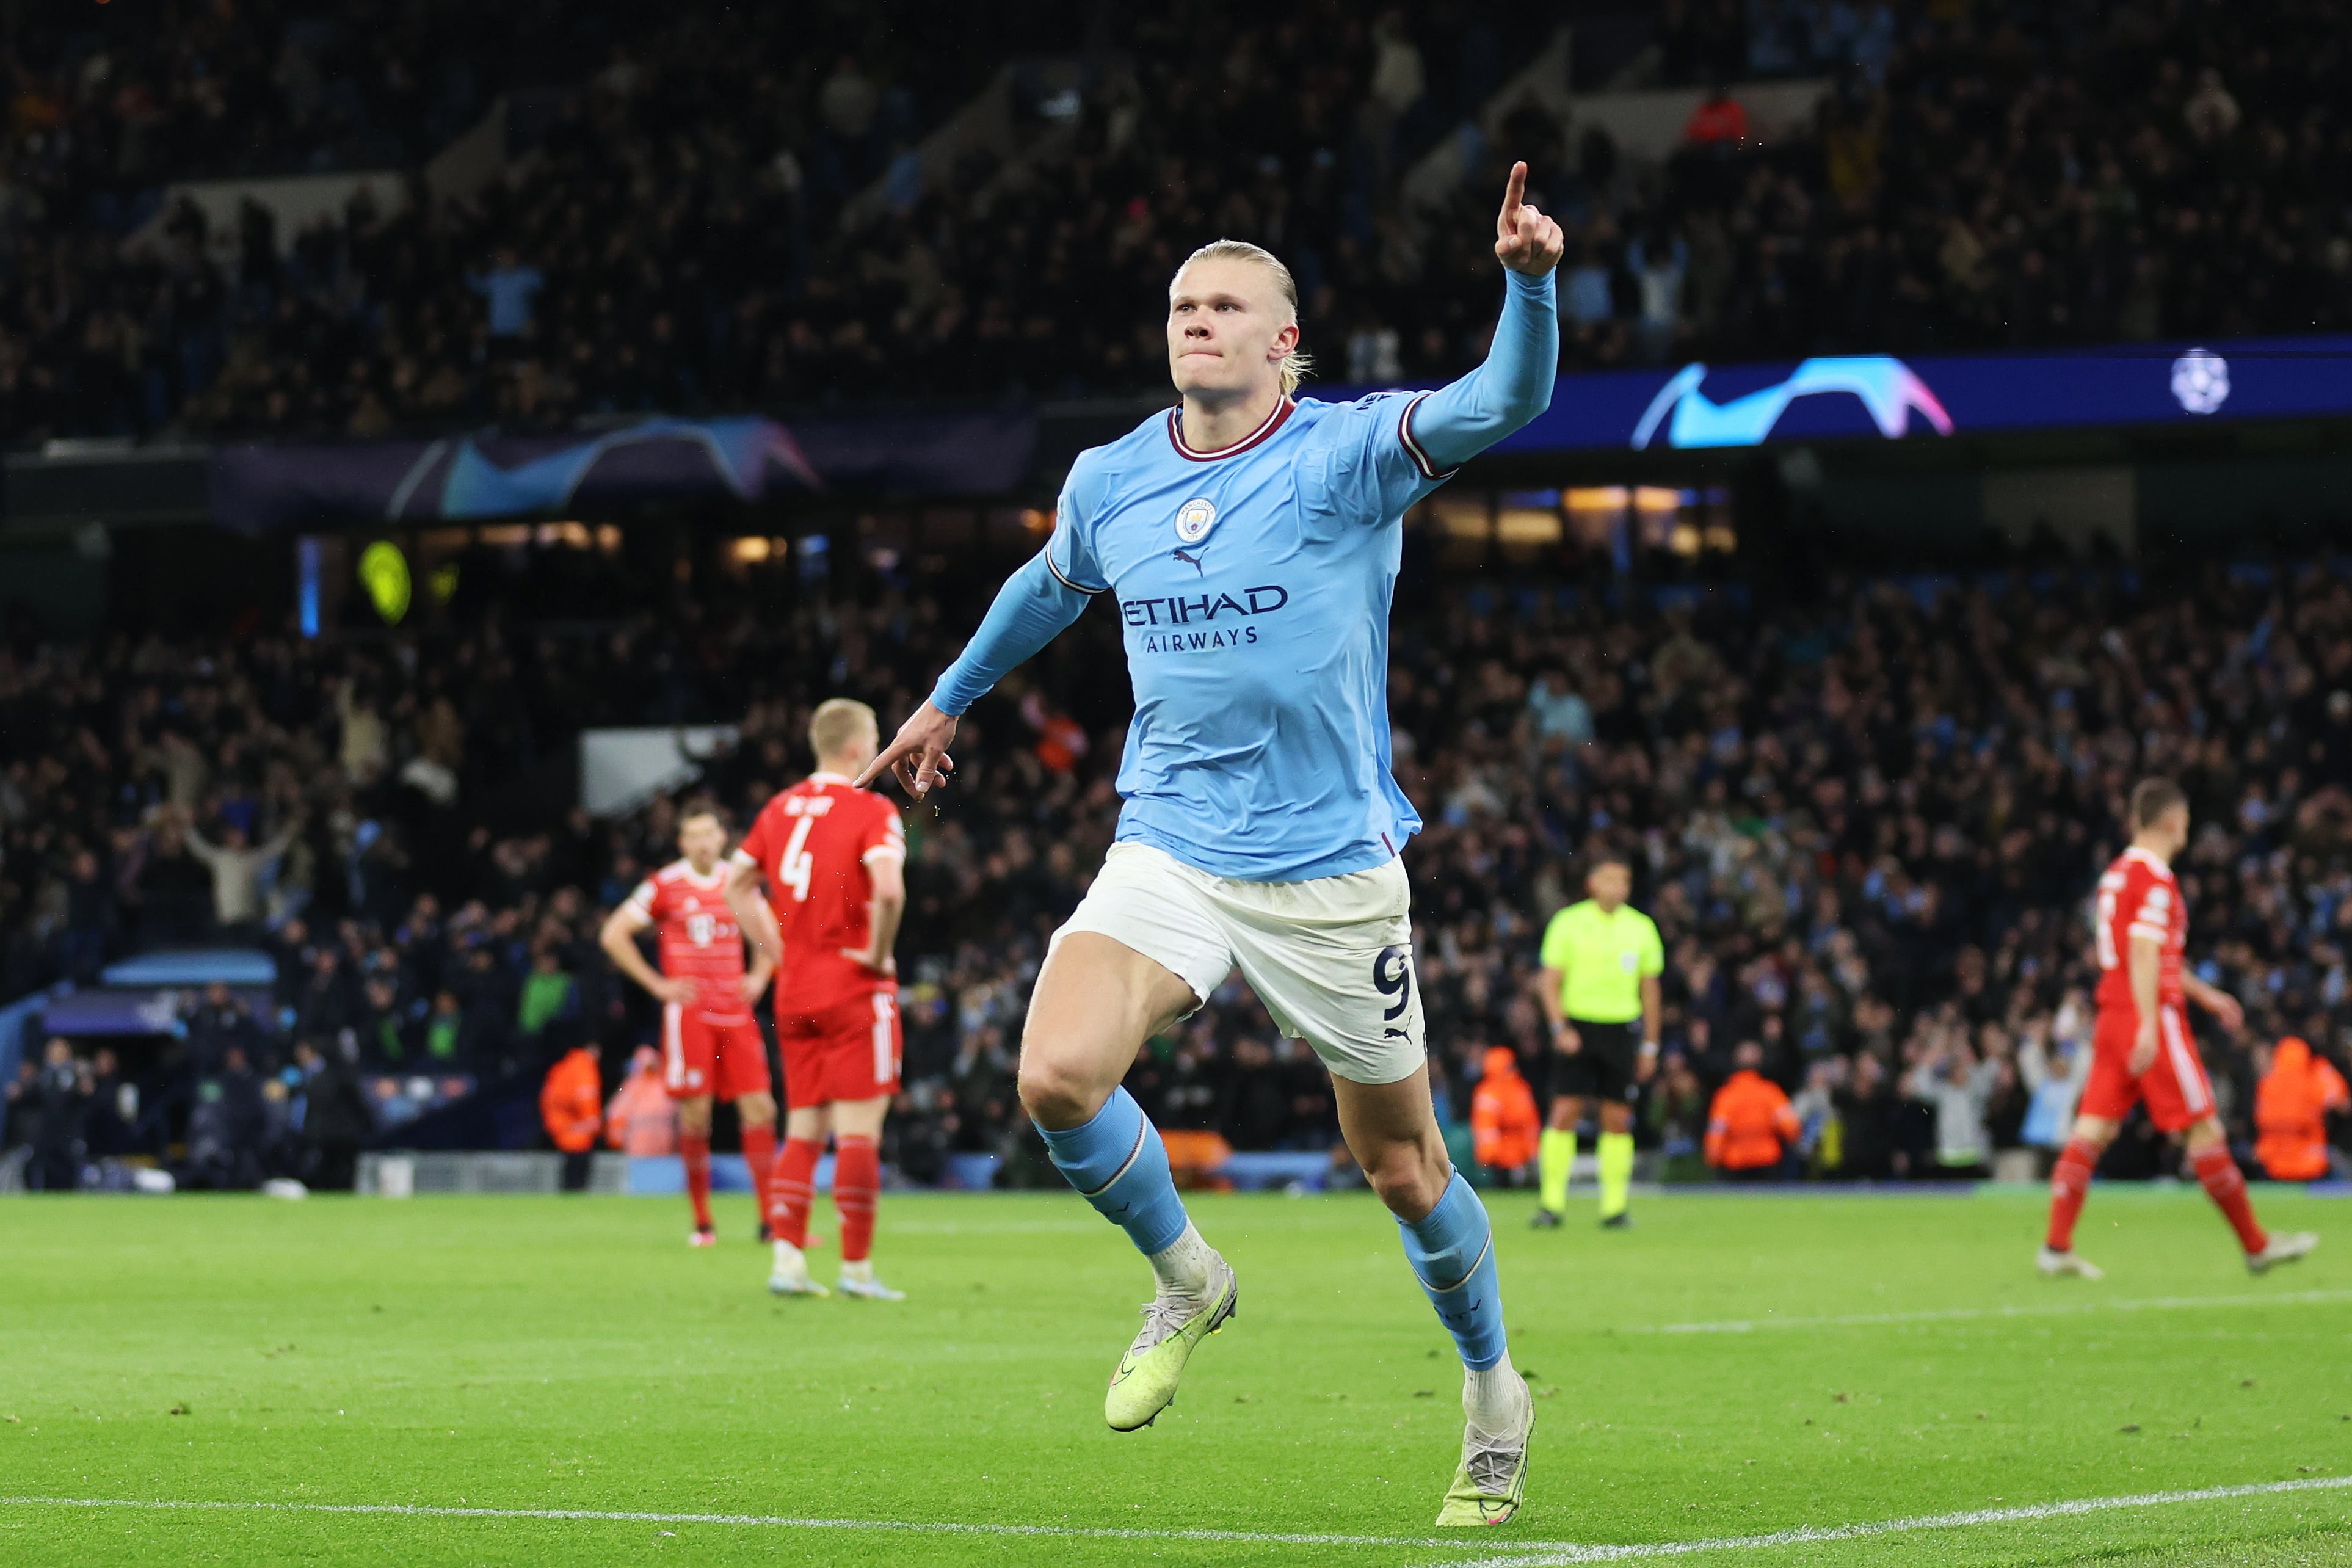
(2137, 897)
(814, 842)
(700, 941)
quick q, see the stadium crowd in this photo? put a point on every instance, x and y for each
(683, 239)
(1866, 826)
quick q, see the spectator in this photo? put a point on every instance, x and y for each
(20, 1109)
(571, 1104)
(1718, 121)
(228, 1127)
(2299, 1090)
(217, 1024)
(1676, 1111)
(237, 870)
(1865, 1105)
(90, 918)
(547, 994)
(1561, 716)
(1958, 1086)
(1504, 1123)
(335, 1120)
(115, 1126)
(2211, 112)
(642, 1119)
(510, 289)
(1750, 1124)
(62, 1090)
(1819, 1137)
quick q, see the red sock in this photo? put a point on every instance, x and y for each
(696, 1151)
(791, 1190)
(2070, 1184)
(856, 1177)
(2226, 1185)
(760, 1156)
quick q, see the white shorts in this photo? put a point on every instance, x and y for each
(1330, 958)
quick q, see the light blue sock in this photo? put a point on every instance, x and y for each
(1452, 1250)
(1119, 1164)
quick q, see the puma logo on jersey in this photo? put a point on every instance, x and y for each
(1194, 562)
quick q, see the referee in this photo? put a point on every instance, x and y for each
(1601, 960)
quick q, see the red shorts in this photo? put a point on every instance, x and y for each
(702, 1055)
(847, 1051)
(2175, 1086)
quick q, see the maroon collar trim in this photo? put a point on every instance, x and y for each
(1274, 421)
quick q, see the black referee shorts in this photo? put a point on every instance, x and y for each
(1601, 1068)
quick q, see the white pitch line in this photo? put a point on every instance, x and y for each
(1549, 1557)
(1521, 1554)
(1968, 1314)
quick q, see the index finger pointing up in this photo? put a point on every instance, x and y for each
(1512, 193)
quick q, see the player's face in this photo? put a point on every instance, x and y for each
(701, 840)
(1610, 885)
(1228, 328)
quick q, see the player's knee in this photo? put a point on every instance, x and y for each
(1406, 1179)
(1055, 1093)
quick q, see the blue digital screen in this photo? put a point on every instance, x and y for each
(1923, 398)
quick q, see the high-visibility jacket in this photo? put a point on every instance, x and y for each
(642, 1118)
(571, 1102)
(1504, 1124)
(1749, 1123)
(2291, 1107)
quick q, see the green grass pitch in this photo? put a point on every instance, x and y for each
(511, 1353)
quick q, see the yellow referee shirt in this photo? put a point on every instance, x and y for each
(1605, 957)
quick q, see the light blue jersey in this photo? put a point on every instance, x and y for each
(1253, 587)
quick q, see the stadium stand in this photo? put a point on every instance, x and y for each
(1863, 822)
(1963, 180)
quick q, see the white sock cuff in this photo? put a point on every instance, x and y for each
(1183, 1266)
(1490, 1396)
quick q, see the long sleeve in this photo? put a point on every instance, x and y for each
(1465, 417)
(1032, 608)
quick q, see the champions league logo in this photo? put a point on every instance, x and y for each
(1194, 519)
(1888, 389)
(2201, 381)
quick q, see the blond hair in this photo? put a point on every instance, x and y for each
(837, 722)
(1295, 364)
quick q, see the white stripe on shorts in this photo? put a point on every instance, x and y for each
(2184, 1062)
(673, 1044)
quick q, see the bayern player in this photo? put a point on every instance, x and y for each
(2141, 1049)
(834, 859)
(711, 1042)
(1249, 542)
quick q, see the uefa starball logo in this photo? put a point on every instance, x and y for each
(1889, 390)
(2201, 381)
(1194, 519)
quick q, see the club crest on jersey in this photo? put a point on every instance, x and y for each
(1194, 519)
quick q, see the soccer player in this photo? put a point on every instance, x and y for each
(834, 859)
(2141, 1049)
(711, 1042)
(1249, 544)
(1601, 959)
